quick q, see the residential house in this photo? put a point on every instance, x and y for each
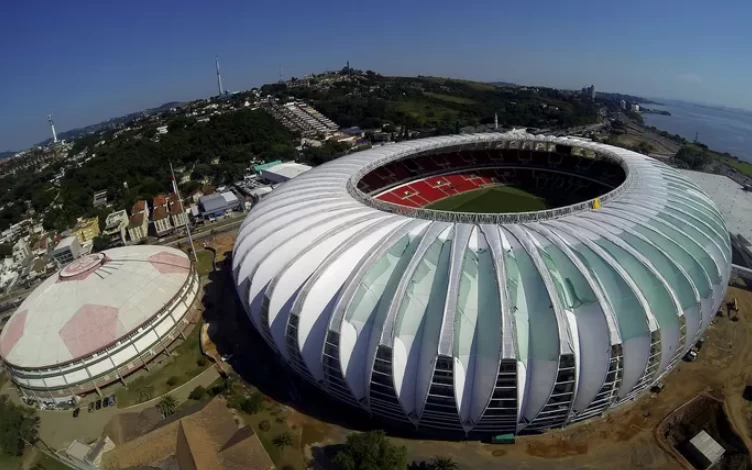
(116, 227)
(22, 252)
(159, 201)
(162, 224)
(138, 226)
(86, 229)
(100, 198)
(178, 212)
(140, 207)
(41, 246)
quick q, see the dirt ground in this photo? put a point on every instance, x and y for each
(223, 243)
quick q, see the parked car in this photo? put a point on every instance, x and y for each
(76, 412)
(106, 402)
(113, 401)
(99, 404)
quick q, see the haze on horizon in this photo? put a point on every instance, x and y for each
(88, 61)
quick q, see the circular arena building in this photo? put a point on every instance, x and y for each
(97, 320)
(405, 280)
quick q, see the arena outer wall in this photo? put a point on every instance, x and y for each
(472, 325)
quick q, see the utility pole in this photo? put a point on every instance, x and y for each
(182, 210)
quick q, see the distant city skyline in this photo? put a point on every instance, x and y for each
(87, 62)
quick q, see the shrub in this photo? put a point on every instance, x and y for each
(167, 405)
(282, 440)
(172, 381)
(265, 425)
(217, 389)
(198, 393)
(253, 404)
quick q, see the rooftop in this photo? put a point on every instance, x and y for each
(137, 220)
(160, 200)
(160, 213)
(732, 201)
(207, 439)
(91, 303)
(67, 241)
(138, 206)
(288, 169)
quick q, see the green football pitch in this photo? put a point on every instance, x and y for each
(496, 199)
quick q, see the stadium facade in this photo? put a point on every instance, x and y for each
(100, 318)
(474, 324)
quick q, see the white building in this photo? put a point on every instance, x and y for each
(138, 227)
(116, 227)
(100, 198)
(21, 252)
(283, 172)
(162, 224)
(113, 312)
(478, 324)
(66, 251)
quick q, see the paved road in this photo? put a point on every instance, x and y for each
(58, 428)
(217, 227)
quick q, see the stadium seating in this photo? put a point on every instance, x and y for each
(560, 176)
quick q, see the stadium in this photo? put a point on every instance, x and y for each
(100, 318)
(469, 286)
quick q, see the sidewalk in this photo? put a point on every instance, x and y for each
(59, 428)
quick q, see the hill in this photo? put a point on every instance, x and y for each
(113, 123)
(7, 154)
(434, 105)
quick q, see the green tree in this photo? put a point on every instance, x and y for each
(692, 156)
(100, 244)
(198, 393)
(439, 462)
(167, 405)
(253, 404)
(282, 440)
(17, 426)
(370, 450)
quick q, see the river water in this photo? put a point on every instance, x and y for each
(721, 129)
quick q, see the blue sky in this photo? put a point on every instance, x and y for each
(85, 61)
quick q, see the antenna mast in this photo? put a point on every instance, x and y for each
(219, 77)
(182, 209)
(52, 127)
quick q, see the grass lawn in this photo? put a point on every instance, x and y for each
(274, 413)
(48, 463)
(205, 262)
(9, 463)
(450, 98)
(183, 366)
(424, 110)
(3, 379)
(742, 167)
(498, 199)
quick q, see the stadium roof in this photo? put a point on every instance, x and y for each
(732, 201)
(91, 303)
(650, 255)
